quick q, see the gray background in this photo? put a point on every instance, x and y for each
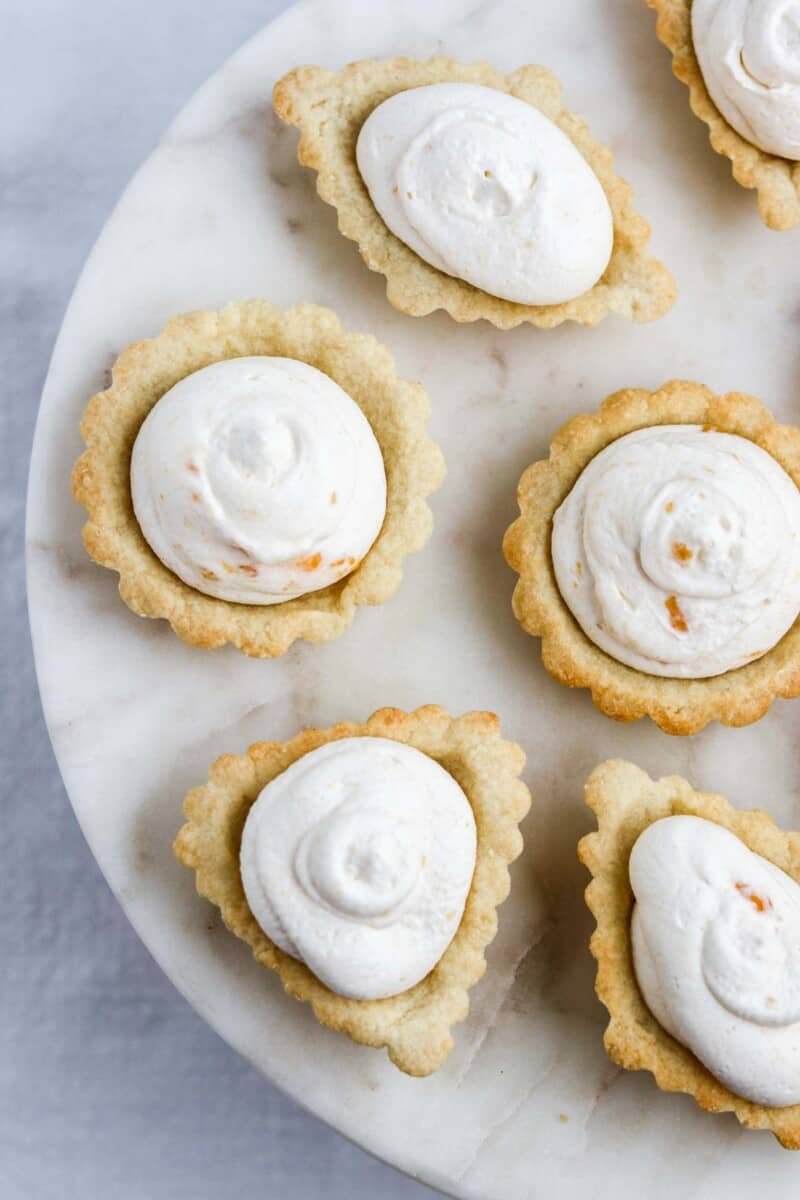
(109, 1084)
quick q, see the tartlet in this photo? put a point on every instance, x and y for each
(414, 1026)
(396, 410)
(776, 180)
(626, 801)
(330, 108)
(677, 705)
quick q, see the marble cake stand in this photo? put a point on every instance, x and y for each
(528, 1103)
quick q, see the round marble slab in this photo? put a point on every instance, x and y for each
(528, 1103)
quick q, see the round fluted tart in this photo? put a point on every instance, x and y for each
(364, 864)
(258, 480)
(678, 551)
(658, 550)
(698, 960)
(254, 475)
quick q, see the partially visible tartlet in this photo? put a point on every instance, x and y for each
(679, 705)
(775, 179)
(330, 109)
(627, 802)
(396, 412)
(414, 1025)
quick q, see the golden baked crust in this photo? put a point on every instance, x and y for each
(396, 409)
(415, 1025)
(776, 180)
(678, 706)
(330, 107)
(626, 801)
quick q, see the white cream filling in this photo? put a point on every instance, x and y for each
(716, 948)
(749, 53)
(257, 480)
(486, 188)
(677, 551)
(357, 861)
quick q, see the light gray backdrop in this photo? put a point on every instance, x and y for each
(110, 1086)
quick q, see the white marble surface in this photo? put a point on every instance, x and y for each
(528, 1102)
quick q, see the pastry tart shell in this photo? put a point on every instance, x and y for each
(776, 180)
(626, 801)
(396, 409)
(330, 107)
(414, 1026)
(678, 706)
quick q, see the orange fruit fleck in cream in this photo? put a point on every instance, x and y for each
(248, 569)
(207, 574)
(682, 552)
(676, 618)
(759, 903)
(310, 562)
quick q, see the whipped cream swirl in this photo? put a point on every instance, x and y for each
(716, 948)
(749, 53)
(357, 861)
(486, 188)
(677, 551)
(257, 480)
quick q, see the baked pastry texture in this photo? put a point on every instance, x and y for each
(396, 409)
(329, 108)
(414, 1026)
(775, 180)
(626, 801)
(678, 706)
